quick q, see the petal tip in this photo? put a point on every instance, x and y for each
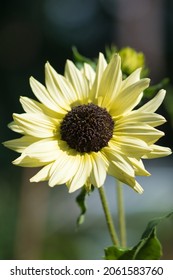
(138, 188)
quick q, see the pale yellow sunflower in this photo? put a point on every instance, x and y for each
(86, 126)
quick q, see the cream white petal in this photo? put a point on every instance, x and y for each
(152, 119)
(77, 80)
(26, 161)
(36, 125)
(89, 74)
(45, 150)
(53, 89)
(129, 146)
(158, 151)
(139, 167)
(153, 104)
(42, 175)
(98, 172)
(131, 79)
(101, 66)
(81, 176)
(138, 188)
(59, 87)
(110, 82)
(122, 169)
(15, 127)
(63, 169)
(44, 96)
(20, 144)
(129, 98)
(33, 107)
(140, 131)
(119, 166)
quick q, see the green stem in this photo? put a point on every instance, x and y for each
(108, 217)
(121, 214)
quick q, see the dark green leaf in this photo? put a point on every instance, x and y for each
(168, 101)
(114, 253)
(149, 92)
(148, 248)
(81, 198)
(81, 201)
(109, 51)
(153, 223)
(80, 59)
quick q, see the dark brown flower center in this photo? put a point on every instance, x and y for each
(87, 128)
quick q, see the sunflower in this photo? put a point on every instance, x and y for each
(86, 125)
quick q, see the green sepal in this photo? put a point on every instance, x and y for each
(148, 248)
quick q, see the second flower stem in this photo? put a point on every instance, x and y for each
(108, 217)
(121, 214)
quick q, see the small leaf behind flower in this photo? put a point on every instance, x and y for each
(81, 201)
(148, 248)
(150, 91)
(79, 59)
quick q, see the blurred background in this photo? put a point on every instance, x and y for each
(38, 222)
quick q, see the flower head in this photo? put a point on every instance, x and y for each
(86, 125)
(131, 60)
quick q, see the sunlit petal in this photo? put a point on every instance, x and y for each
(129, 98)
(89, 74)
(101, 65)
(152, 105)
(63, 169)
(131, 79)
(98, 172)
(44, 96)
(111, 82)
(130, 146)
(33, 107)
(151, 119)
(20, 144)
(36, 125)
(60, 89)
(43, 174)
(77, 80)
(157, 152)
(81, 175)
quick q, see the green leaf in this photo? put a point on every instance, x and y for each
(109, 51)
(148, 248)
(168, 101)
(153, 223)
(149, 92)
(81, 201)
(80, 59)
(114, 253)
